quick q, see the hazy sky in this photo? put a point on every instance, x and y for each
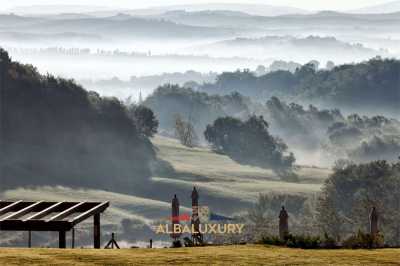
(306, 4)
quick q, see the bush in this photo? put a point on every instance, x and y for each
(361, 240)
(291, 241)
(272, 240)
(177, 244)
(328, 242)
(304, 242)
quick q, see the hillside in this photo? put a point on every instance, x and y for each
(392, 6)
(118, 26)
(54, 132)
(223, 255)
(225, 186)
(288, 47)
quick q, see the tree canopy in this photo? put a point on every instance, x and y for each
(55, 132)
(350, 193)
(249, 142)
(373, 83)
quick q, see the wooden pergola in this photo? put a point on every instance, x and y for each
(51, 216)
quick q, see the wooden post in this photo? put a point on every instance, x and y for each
(61, 239)
(29, 239)
(151, 243)
(73, 238)
(96, 230)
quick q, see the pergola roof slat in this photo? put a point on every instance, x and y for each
(31, 215)
(45, 212)
(65, 213)
(22, 211)
(9, 207)
(98, 208)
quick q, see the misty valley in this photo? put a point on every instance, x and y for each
(257, 108)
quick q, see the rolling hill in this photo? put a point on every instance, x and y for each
(389, 7)
(225, 186)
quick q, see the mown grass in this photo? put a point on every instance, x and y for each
(225, 255)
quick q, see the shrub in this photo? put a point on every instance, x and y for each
(177, 244)
(304, 242)
(272, 240)
(292, 241)
(362, 240)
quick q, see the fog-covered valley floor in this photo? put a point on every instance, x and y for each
(122, 44)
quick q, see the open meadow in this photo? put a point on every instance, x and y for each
(222, 183)
(227, 187)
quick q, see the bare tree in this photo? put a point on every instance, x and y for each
(184, 131)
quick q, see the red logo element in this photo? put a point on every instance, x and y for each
(182, 217)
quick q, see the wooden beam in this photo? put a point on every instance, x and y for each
(96, 231)
(35, 225)
(62, 241)
(73, 238)
(21, 212)
(29, 239)
(9, 207)
(65, 213)
(96, 209)
(43, 213)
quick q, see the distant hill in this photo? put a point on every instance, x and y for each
(252, 9)
(55, 9)
(120, 25)
(390, 7)
(290, 48)
(327, 20)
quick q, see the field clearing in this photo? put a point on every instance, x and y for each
(218, 174)
(223, 255)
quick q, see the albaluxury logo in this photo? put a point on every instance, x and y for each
(201, 221)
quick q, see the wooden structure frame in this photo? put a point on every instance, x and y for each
(51, 216)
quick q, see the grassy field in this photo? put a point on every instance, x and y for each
(225, 186)
(219, 180)
(228, 255)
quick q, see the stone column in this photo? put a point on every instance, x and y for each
(283, 223)
(175, 216)
(373, 222)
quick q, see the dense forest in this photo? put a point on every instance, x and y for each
(374, 83)
(326, 133)
(56, 133)
(200, 108)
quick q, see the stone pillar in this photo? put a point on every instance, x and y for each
(96, 230)
(195, 221)
(175, 216)
(373, 222)
(283, 223)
